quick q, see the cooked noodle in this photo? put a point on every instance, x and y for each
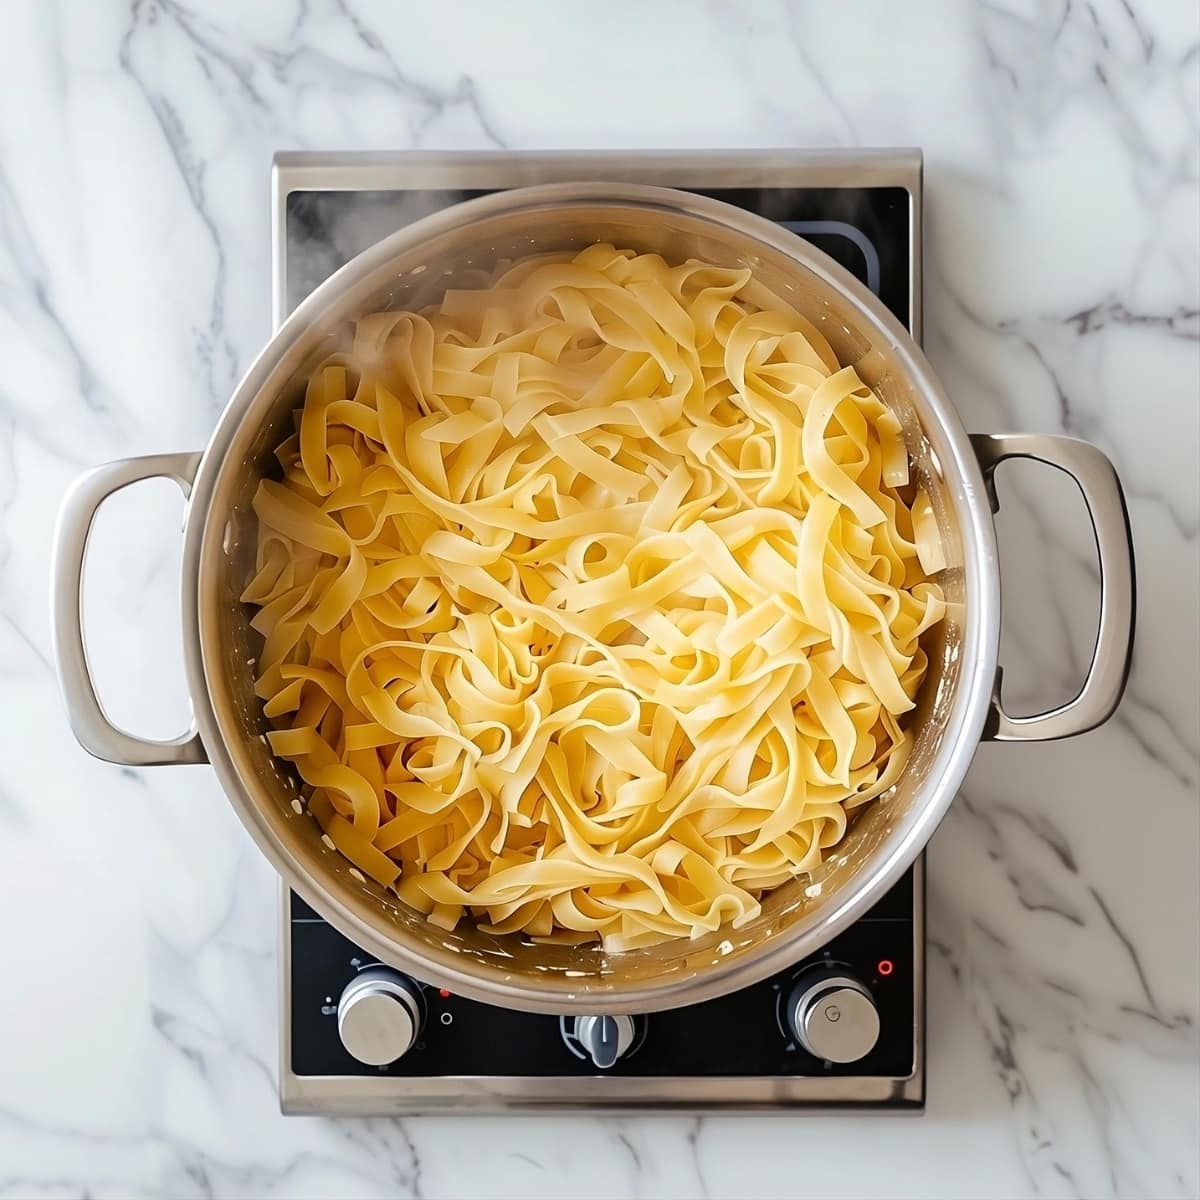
(591, 601)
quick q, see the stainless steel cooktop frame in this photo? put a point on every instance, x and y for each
(392, 1096)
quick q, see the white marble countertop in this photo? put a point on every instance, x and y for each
(138, 1013)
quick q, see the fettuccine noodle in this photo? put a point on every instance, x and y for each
(591, 601)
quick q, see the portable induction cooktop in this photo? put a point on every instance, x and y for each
(841, 1029)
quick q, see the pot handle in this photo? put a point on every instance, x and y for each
(1097, 480)
(93, 730)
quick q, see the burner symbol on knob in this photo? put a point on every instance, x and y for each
(833, 1013)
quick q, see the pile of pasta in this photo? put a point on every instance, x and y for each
(592, 600)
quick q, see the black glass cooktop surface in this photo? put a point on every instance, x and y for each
(841, 1028)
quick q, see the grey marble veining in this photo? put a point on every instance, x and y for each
(1062, 141)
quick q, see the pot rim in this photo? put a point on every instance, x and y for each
(551, 993)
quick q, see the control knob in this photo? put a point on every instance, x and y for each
(379, 1016)
(832, 1014)
(604, 1039)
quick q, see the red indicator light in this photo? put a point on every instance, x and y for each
(885, 966)
(445, 995)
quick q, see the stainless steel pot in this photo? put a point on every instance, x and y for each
(959, 705)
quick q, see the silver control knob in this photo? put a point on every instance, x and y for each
(379, 1016)
(832, 1015)
(604, 1039)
